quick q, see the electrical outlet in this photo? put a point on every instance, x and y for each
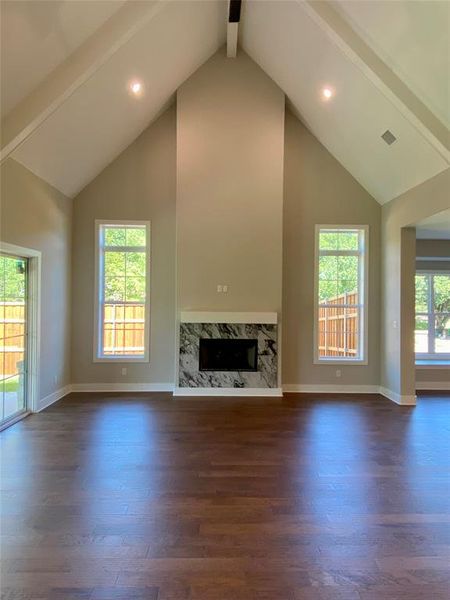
(225, 289)
(338, 372)
(55, 379)
(124, 371)
(219, 289)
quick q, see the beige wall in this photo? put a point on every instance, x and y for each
(398, 267)
(139, 184)
(234, 141)
(35, 215)
(433, 249)
(319, 190)
(230, 135)
(433, 376)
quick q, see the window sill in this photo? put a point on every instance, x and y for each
(121, 359)
(332, 361)
(432, 364)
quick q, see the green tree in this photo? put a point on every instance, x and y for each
(441, 303)
(12, 279)
(441, 308)
(337, 274)
(125, 276)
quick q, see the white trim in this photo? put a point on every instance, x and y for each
(232, 39)
(53, 397)
(14, 419)
(363, 306)
(397, 398)
(350, 389)
(433, 385)
(442, 365)
(433, 259)
(191, 316)
(225, 391)
(122, 387)
(330, 388)
(34, 318)
(98, 274)
(433, 271)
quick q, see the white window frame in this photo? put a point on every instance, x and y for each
(33, 327)
(99, 357)
(431, 356)
(363, 254)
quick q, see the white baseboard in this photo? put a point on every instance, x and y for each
(122, 387)
(351, 389)
(224, 391)
(443, 386)
(230, 392)
(53, 397)
(331, 388)
(397, 398)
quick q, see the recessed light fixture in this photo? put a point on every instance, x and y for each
(327, 93)
(136, 87)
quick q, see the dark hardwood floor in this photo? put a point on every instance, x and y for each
(133, 497)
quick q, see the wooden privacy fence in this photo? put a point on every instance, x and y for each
(123, 329)
(123, 332)
(12, 337)
(338, 326)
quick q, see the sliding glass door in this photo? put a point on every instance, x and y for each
(13, 336)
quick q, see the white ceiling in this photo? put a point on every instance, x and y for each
(413, 38)
(100, 119)
(36, 36)
(83, 130)
(302, 57)
(436, 227)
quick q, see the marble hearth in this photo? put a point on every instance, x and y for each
(262, 327)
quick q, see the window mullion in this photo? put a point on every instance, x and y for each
(339, 253)
(431, 343)
(125, 303)
(124, 248)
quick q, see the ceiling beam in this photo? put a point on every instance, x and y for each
(371, 65)
(64, 81)
(234, 16)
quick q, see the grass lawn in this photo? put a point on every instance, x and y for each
(11, 384)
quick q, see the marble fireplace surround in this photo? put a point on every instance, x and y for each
(262, 326)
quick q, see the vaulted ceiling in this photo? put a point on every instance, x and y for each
(67, 65)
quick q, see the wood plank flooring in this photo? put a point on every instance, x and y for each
(146, 497)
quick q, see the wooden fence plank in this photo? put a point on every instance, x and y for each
(338, 326)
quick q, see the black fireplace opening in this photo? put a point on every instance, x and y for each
(228, 354)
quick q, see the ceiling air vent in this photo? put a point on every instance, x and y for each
(388, 137)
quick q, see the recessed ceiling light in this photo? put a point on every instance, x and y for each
(136, 88)
(327, 93)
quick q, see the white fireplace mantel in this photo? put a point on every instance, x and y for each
(264, 318)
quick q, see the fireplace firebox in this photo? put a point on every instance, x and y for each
(219, 354)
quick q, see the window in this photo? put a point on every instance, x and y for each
(432, 330)
(122, 291)
(340, 322)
